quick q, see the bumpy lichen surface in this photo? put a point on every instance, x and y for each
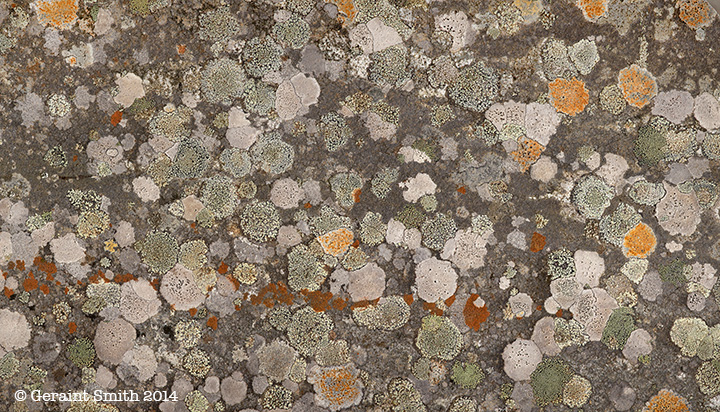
(393, 205)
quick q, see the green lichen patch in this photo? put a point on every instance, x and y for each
(548, 381)
(438, 337)
(81, 352)
(467, 375)
(618, 329)
(159, 250)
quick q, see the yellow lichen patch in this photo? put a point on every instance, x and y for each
(640, 241)
(666, 401)
(695, 13)
(592, 9)
(568, 96)
(336, 242)
(637, 84)
(347, 10)
(528, 152)
(61, 14)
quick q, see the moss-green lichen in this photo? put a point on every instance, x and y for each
(276, 397)
(390, 313)
(272, 155)
(159, 250)
(549, 379)
(372, 229)
(81, 352)
(467, 375)
(438, 337)
(293, 32)
(193, 254)
(560, 264)
(618, 329)
(334, 131)
(222, 80)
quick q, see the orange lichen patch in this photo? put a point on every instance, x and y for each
(695, 13)
(528, 152)
(212, 322)
(356, 243)
(61, 14)
(123, 278)
(409, 299)
(339, 304)
(449, 301)
(559, 313)
(666, 401)
(181, 48)
(8, 292)
(638, 85)
(364, 303)
(568, 96)
(462, 190)
(346, 9)
(307, 205)
(432, 308)
(20, 264)
(640, 241)
(356, 195)
(272, 294)
(223, 268)
(537, 242)
(592, 9)
(116, 118)
(193, 311)
(45, 266)
(474, 315)
(72, 327)
(336, 242)
(96, 277)
(234, 281)
(11, 265)
(319, 301)
(30, 283)
(337, 387)
(45, 289)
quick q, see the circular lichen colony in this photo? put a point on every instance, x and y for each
(260, 221)
(308, 330)
(261, 56)
(220, 196)
(272, 155)
(236, 162)
(191, 159)
(159, 250)
(549, 379)
(439, 338)
(222, 81)
(475, 88)
(293, 32)
(591, 196)
(304, 270)
(438, 230)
